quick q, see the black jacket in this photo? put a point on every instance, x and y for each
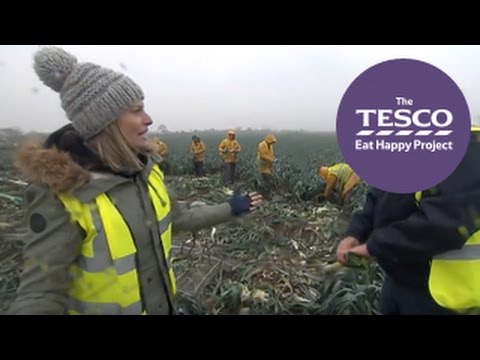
(403, 237)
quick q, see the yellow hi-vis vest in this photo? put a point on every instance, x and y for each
(105, 279)
(454, 280)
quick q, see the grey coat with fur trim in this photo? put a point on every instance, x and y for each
(54, 241)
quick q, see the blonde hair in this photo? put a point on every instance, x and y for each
(113, 149)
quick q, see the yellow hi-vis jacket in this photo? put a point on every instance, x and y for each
(454, 280)
(105, 279)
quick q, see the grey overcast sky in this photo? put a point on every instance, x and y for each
(202, 87)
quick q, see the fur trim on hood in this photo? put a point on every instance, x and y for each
(50, 167)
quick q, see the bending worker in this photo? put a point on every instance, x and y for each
(341, 179)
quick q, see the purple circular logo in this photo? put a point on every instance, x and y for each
(403, 126)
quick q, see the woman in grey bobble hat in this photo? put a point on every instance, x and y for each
(100, 217)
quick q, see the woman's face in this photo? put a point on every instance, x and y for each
(134, 125)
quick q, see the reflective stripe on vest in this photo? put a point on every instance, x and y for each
(105, 279)
(454, 280)
(161, 202)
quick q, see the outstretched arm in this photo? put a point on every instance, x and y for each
(195, 218)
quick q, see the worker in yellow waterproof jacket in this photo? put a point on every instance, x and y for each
(160, 148)
(229, 149)
(197, 149)
(265, 159)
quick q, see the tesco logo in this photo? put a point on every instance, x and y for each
(426, 121)
(399, 115)
(404, 118)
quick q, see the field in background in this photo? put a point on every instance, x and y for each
(299, 155)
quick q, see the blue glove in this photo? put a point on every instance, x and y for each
(240, 204)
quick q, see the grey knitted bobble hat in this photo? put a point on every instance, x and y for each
(92, 96)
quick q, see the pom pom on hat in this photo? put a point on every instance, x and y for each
(53, 65)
